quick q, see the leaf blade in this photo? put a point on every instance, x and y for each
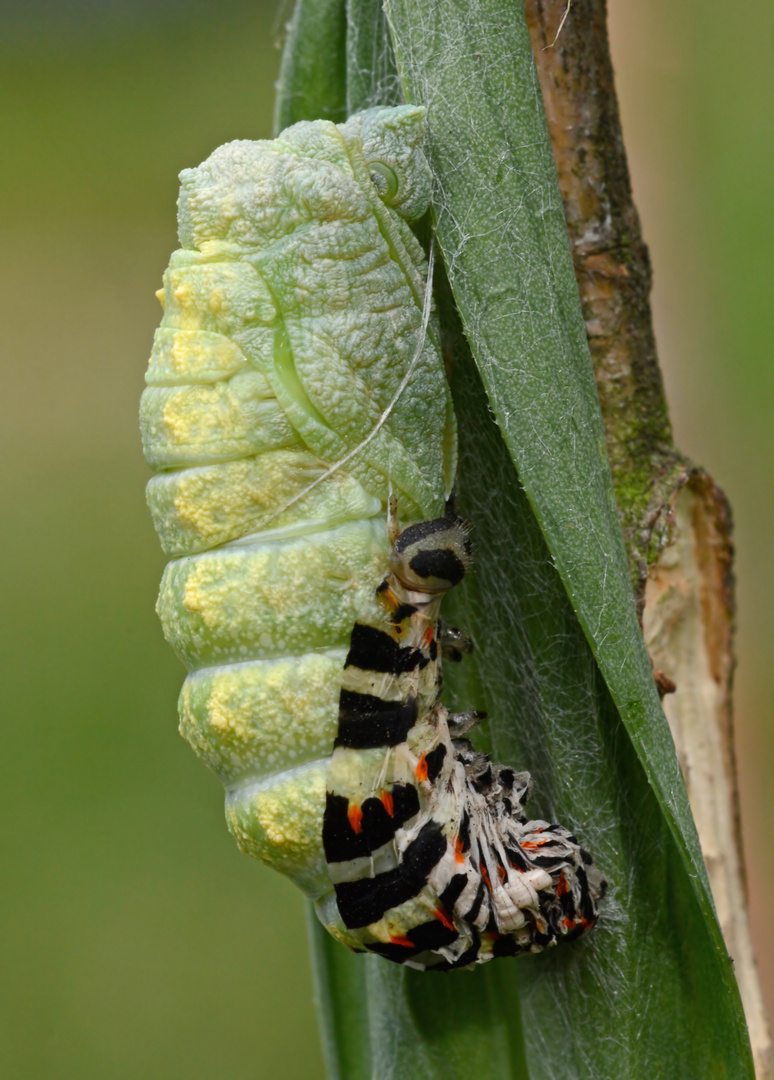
(615, 1002)
(500, 226)
(341, 999)
(557, 1041)
(312, 79)
(372, 78)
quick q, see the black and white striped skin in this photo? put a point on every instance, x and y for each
(430, 854)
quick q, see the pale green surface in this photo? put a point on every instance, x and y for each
(217, 293)
(280, 822)
(195, 509)
(242, 719)
(312, 276)
(273, 597)
(179, 355)
(200, 425)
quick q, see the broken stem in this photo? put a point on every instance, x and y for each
(676, 521)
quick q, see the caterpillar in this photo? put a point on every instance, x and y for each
(295, 386)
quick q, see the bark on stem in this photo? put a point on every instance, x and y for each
(676, 521)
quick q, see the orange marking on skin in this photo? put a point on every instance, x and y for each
(355, 816)
(441, 916)
(533, 843)
(485, 876)
(562, 886)
(568, 923)
(389, 599)
(421, 770)
(586, 923)
(387, 802)
(428, 636)
(460, 858)
(501, 872)
(402, 941)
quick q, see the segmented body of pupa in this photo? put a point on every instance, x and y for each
(295, 382)
(292, 314)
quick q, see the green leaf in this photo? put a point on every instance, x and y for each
(384, 1022)
(312, 80)
(629, 999)
(560, 666)
(372, 78)
(500, 225)
(342, 1004)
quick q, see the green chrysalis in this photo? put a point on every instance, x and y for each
(293, 315)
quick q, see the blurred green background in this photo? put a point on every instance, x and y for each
(136, 941)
